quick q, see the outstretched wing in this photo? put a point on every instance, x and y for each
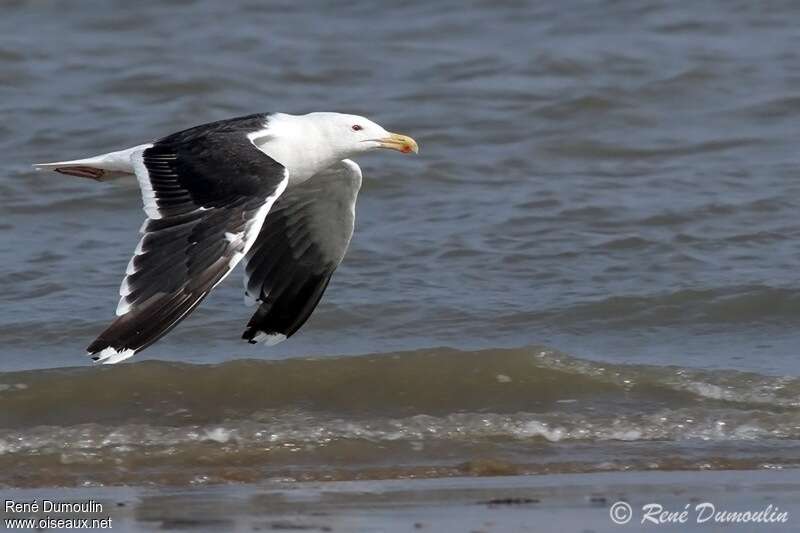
(206, 193)
(302, 241)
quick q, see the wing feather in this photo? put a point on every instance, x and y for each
(198, 186)
(301, 243)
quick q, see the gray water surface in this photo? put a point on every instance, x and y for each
(614, 180)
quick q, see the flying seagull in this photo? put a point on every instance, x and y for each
(274, 190)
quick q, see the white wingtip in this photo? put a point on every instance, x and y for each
(110, 356)
(270, 339)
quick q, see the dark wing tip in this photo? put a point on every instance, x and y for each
(286, 309)
(250, 334)
(141, 327)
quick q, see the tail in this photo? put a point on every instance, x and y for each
(79, 168)
(100, 168)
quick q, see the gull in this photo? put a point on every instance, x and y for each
(272, 190)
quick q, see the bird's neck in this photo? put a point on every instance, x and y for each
(298, 145)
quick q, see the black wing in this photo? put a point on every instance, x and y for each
(302, 241)
(206, 192)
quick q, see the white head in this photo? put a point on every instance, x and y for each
(307, 144)
(352, 134)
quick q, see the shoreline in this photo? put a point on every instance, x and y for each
(572, 502)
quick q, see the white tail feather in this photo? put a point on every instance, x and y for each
(100, 168)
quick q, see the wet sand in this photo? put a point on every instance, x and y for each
(566, 503)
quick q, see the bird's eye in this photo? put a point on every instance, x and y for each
(357, 127)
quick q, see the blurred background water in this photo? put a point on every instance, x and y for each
(617, 181)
